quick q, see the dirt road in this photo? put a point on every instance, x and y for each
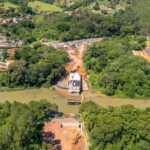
(76, 63)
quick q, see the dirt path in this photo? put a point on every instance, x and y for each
(76, 63)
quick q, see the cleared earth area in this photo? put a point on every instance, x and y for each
(59, 98)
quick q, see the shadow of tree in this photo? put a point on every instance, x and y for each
(49, 138)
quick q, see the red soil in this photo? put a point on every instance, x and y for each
(76, 63)
(65, 134)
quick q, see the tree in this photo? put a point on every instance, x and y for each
(18, 73)
(21, 124)
(118, 72)
(4, 54)
(96, 6)
(118, 128)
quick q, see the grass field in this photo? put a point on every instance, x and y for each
(7, 5)
(27, 95)
(43, 7)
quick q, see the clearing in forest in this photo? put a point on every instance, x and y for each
(75, 50)
(65, 134)
(144, 53)
(43, 7)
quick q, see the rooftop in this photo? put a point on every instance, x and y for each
(74, 76)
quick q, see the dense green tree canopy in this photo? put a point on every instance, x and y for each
(115, 70)
(117, 128)
(21, 124)
(82, 23)
(36, 66)
(111, 63)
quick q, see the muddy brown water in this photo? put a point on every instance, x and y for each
(27, 95)
(59, 97)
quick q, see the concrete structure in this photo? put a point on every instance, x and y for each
(74, 83)
(73, 101)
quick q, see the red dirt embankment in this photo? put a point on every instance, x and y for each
(76, 63)
(144, 53)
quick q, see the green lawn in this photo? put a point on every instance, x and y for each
(43, 7)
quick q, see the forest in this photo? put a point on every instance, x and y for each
(115, 71)
(21, 124)
(79, 24)
(35, 66)
(112, 128)
(112, 68)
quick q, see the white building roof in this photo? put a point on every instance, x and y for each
(74, 76)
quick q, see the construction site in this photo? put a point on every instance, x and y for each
(76, 80)
(68, 133)
(65, 134)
